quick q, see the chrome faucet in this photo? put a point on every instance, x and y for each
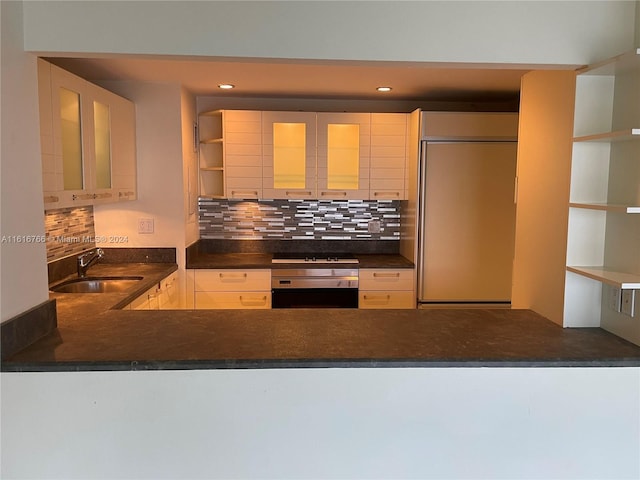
(87, 259)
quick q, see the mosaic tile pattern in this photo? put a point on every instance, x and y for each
(69, 231)
(299, 219)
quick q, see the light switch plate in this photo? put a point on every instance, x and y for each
(374, 226)
(145, 225)
(628, 302)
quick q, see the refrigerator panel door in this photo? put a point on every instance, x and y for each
(468, 222)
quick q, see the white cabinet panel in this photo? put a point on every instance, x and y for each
(386, 288)
(230, 288)
(388, 156)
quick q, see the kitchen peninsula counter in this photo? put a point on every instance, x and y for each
(90, 337)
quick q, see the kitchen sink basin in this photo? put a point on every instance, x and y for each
(96, 285)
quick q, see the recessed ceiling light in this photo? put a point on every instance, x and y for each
(383, 89)
(226, 86)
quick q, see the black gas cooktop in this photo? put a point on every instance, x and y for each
(313, 258)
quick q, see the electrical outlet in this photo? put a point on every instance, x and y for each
(628, 302)
(374, 226)
(614, 298)
(145, 225)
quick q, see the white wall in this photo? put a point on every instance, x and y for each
(558, 423)
(159, 168)
(637, 28)
(24, 274)
(538, 32)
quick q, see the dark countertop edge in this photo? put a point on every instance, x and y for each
(145, 285)
(151, 365)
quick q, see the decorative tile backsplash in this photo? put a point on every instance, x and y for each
(69, 231)
(299, 219)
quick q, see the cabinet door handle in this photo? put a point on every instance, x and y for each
(298, 194)
(233, 276)
(387, 194)
(386, 275)
(244, 193)
(85, 196)
(378, 298)
(253, 301)
(325, 193)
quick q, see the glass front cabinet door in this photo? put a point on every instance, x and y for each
(343, 155)
(289, 155)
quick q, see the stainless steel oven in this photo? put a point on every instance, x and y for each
(316, 284)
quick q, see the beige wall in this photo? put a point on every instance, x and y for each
(544, 165)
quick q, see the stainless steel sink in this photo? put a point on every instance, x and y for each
(96, 285)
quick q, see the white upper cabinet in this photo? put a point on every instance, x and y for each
(246, 154)
(243, 153)
(388, 156)
(87, 141)
(343, 151)
(289, 155)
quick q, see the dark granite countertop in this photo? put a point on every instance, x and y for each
(93, 335)
(213, 339)
(74, 307)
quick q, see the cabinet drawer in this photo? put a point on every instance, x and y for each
(231, 280)
(233, 300)
(390, 299)
(147, 301)
(386, 279)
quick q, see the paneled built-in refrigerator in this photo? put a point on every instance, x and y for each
(466, 208)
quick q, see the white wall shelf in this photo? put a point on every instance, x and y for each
(621, 280)
(617, 136)
(211, 154)
(618, 65)
(607, 207)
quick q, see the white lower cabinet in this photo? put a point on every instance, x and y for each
(232, 289)
(164, 295)
(147, 301)
(169, 293)
(386, 288)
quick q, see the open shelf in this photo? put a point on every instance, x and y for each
(617, 136)
(620, 64)
(621, 280)
(602, 246)
(607, 207)
(211, 140)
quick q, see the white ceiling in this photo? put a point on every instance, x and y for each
(309, 79)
